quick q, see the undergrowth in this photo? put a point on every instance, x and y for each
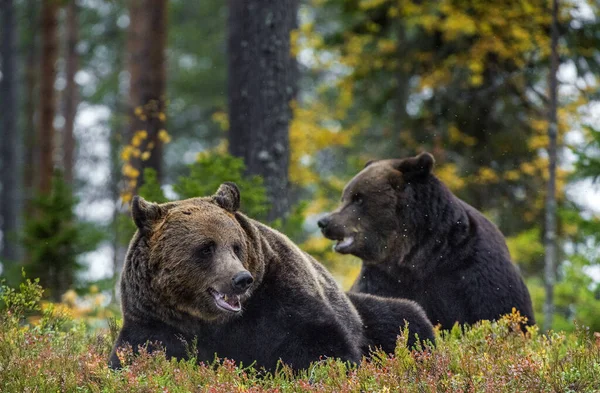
(52, 352)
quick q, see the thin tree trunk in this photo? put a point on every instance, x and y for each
(262, 82)
(71, 96)
(134, 60)
(47, 94)
(550, 224)
(148, 20)
(30, 157)
(9, 176)
(402, 89)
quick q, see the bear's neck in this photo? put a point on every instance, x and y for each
(437, 231)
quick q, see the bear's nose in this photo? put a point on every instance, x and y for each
(242, 280)
(323, 222)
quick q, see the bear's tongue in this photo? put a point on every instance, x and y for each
(345, 243)
(227, 302)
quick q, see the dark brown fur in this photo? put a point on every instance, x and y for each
(419, 241)
(292, 311)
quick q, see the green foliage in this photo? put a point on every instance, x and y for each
(15, 305)
(204, 178)
(151, 189)
(56, 354)
(588, 157)
(211, 170)
(55, 238)
(527, 250)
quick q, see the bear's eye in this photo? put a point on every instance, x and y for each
(357, 199)
(237, 249)
(206, 250)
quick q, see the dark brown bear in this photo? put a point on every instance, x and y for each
(383, 318)
(419, 241)
(200, 269)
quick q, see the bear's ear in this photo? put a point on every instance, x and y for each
(416, 167)
(145, 214)
(369, 163)
(228, 197)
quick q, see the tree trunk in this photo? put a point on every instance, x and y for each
(30, 34)
(47, 94)
(262, 82)
(550, 224)
(148, 30)
(71, 96)
(10, 146)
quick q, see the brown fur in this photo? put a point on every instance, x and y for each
(293, 309)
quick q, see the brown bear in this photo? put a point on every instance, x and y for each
(383, 318)
(199, 270)
(419, 241)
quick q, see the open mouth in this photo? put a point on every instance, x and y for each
(344, 244)
(231, 303)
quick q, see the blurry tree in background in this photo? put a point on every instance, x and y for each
(29, 44)
(261, 86)
(47, 96)
(54, 239)
(10, 197)
(550, 238)
(71, 94)
(147, 45)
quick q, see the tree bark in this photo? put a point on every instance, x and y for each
(30, 158)
(10, 146)
(47, 94)
(71, 96)
(551, 205)
(262, 82)
(148, 28)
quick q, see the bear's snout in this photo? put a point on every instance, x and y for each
(242, 281)
(323, 222)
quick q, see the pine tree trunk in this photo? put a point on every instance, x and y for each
(551, 206)
(10, 145)
(47, 94)
(71, 96)
(30, 158)
(148, 80)
(262, 82)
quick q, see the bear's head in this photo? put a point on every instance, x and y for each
(195, 256)
(379, 208)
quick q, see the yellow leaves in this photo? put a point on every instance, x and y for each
(458, 24)
(456, 136)
(162, 117)
(528, 168)
(448, 173)
(311, 130)
(386, 46)
(145, 156)
(138, 137)
(221, 119)
(486, 175)
(365, 5)
(164, 137)
(130, 172)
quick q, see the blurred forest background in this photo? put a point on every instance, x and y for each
(101, 100)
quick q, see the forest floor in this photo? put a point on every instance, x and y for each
(52, 352)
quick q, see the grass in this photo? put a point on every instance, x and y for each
(59, 354)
